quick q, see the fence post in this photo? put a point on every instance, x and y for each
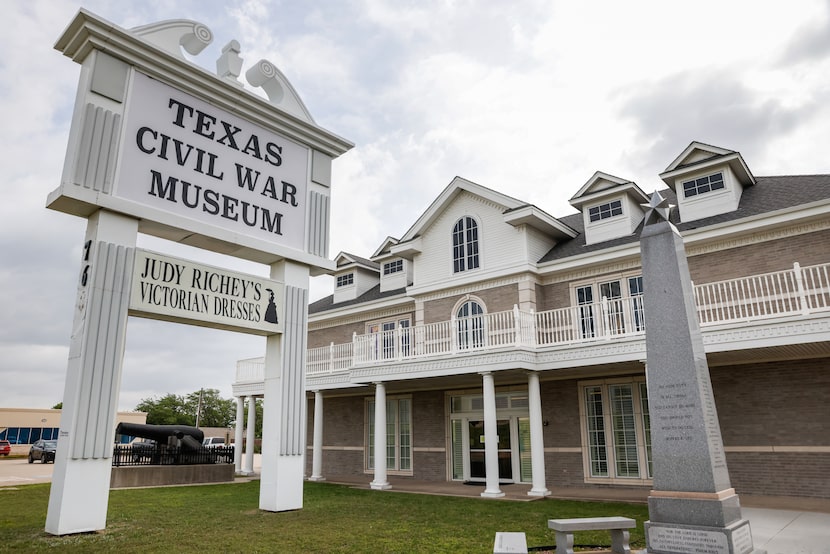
(354, 349)
(517, 323)
(533, 342)
(453, 335)
(802, 294)
(398, 345)
(605, 323)
(331, 357)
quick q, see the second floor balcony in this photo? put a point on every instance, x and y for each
(800, 291)
(753, 313)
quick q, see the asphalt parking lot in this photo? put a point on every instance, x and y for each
(18, 471)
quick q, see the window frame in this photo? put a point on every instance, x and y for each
(639, 429)
(385, 343)
(466, 249)
(398, 448)
(395, 266)
(606, 210)
(700, 188)
(627, 314)
(344, 280)
(471, 327)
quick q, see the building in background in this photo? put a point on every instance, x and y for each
(24, 426)
(492, 317)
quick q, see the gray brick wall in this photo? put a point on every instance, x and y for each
(497, 299)
(774, 404)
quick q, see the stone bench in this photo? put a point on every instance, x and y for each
(618, 526)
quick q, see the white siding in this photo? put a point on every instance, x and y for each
(500, 244)
(613, 227)
(710, 203)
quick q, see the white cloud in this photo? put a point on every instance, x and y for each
(529, 98)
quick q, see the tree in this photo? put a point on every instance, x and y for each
(216, 411)
(170, 409)
(58, 406)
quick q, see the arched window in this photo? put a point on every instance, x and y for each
(470, 325)
(465, 244)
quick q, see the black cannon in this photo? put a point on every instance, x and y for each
(190, 438)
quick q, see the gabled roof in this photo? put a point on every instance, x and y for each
(456, 187)
(601, 185)
(769, 195)
(515, 212)
(383, 249)
(698, 156)
(344, 260)
(371, 295)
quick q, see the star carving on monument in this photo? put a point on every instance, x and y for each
(657, 209)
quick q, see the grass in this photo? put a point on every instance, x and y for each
(335, 518)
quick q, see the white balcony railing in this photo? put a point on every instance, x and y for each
(799, 291)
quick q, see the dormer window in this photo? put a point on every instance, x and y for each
(345, 280)
(465, 245)
(393, 267)
(702, 185)
(604, 211)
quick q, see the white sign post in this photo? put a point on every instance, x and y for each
(160, 146)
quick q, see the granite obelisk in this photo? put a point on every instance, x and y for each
(693, 508)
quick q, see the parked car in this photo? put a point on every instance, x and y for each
(5, 448)
(43, 450)
(144, 449)
(213, 442)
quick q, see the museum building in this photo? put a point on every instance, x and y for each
(491, 310)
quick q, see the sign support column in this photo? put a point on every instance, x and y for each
(83, 462)
(284, 411)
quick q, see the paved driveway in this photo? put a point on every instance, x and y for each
(18, 471)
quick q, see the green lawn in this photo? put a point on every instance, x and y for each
(335, 518)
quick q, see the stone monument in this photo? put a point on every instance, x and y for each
(693, 508)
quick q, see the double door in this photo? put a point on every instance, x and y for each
(513, 449)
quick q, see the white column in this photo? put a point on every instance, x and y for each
(380, 482)
(491, 438)
(537, 439)
(250, 437)
(284, 413)
(317, 449)
(80, 489)
(237, 436)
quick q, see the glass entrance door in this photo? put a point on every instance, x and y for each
(477, 463)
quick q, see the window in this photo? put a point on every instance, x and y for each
(616, 427)
(393, 267)
(615, 310)
(398, 434)
(470, 325)
(702, 185)
(344, 280)
(28, 435)
(386, 341)
(604, 211)
(465, 245)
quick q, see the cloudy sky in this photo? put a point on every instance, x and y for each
(528, 97)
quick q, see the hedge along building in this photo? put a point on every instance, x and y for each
(496, 343)
(160, 146)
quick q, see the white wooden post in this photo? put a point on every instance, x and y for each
(237, 434)
(537, 439)
(517, 323)
(802, 294)
(380, 482)
(317, 446)
(491, 438)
